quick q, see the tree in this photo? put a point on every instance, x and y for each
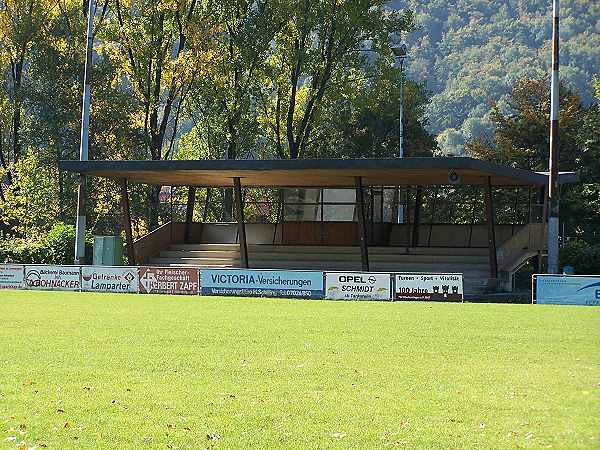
(222, 105)
(21, 23)
(51, 101)
(321, 49)
(363, 121)
(156, 46)
(451, 142)
(521, 136)
(521, 139)
(31, 206)
(581, 205)
(278, 71)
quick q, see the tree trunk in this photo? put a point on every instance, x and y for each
(61, 194)
(231, 154)
(227, 205)
(153, 207)
(207, 203)
(16, 125)
(16, 119)
(3, 165)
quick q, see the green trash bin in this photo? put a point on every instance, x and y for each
(108, 251)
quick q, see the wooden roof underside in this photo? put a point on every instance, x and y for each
(311, 173)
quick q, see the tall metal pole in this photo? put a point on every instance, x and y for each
(85, 132)
(553, 186)
(400, 218)
(401, 126)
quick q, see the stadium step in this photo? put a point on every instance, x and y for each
(289, 249)
(199, 254)
(178, 262)
(280, 256)
(205, 247)
(472, 262)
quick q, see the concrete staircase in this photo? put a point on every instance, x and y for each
(472, 262)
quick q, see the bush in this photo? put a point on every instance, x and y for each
(584, 257)
(22, 251)
(60, 244)
(56, 247)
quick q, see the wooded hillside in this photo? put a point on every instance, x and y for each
(471, 52)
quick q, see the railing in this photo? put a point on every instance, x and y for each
(527, 243)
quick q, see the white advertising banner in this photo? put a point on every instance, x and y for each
(262, 283)
(109, 279)
(568, 290)
(57, 278)
(429, 286)
(358, 286)
(11, 276)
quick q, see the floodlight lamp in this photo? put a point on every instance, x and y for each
(400, 51)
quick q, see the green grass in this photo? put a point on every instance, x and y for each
(134, 372)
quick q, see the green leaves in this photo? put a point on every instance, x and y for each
(281, 71)
(522, 127)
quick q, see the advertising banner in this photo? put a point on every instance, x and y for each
(567, 290)
(262, 283)
(11, 276)
(57, 278)
(445, 287)
(109, 279)
(358, 286)
(169, 280)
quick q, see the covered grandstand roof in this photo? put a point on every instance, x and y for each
(312, 172)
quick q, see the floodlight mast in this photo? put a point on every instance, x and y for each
(84, 143)
(553, 185)
(400, 53)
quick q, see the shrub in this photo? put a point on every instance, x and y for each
(60, 244)
(56, 247)
(22, 251)
(584, 257)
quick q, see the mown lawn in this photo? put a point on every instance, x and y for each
(134, 372)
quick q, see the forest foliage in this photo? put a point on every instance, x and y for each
(471, 52)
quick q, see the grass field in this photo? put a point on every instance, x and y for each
(133, 372)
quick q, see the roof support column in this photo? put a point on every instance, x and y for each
(362, 226)
(489, 216)
(189, 213)
(126, 218)
(239, 212)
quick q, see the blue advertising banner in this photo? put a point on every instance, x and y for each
(567, 290)
(262, 283)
